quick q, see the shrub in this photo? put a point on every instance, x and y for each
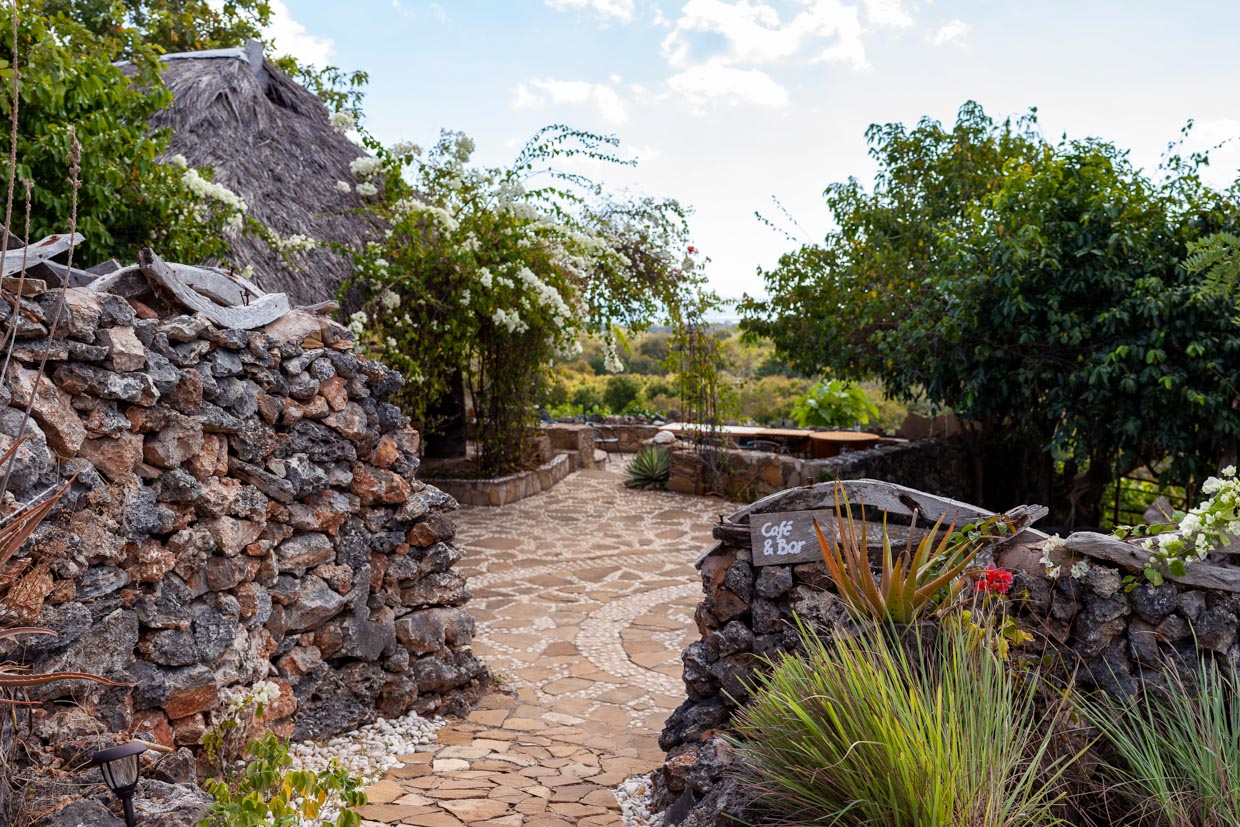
(651, 468)
(863, 731)
(621, 392)
(265, 790)
(1176, 752)
(834, 404)
(269, 793)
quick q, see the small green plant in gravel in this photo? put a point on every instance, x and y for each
(269, 793)
(651, 468)
(255, 784)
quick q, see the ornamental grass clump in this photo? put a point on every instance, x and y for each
(1175, 753)
(864, 730)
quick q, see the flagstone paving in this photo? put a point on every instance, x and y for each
(584, 597)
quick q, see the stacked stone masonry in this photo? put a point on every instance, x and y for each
(1112, 639)
(244, 506)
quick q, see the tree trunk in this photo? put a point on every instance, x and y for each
(445, 421)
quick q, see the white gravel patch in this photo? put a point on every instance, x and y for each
(634, 795)
(372, 750)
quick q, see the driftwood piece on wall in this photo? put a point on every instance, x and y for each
(46, 248)
(1105, 547)
(885, 496)
(263, 310)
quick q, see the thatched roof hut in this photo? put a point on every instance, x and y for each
(272, 142)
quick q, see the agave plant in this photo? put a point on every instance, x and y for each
(912, 582)
(651, 468)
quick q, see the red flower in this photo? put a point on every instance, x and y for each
(692, 250)
(995, 580)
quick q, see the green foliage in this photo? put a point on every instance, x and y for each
(696, 357)
(128, 198)
(170, 25)
(1216, 258)
(495, 271)
(269, 793)
(1033, 288)
(834, 404)
(1174, 760)
(621, 392)
(862, 731)
(651, 468)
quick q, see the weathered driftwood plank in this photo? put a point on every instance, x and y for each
(215, 286)
(46, 248)
(1108, 548)
(263, 310)
(245, 284)
(127, 282)
(58, 275)
(886, 496)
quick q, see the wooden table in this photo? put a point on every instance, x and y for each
(827, 444)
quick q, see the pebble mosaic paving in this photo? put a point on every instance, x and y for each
(584, 597)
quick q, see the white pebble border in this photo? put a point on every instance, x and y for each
(369, 752)
(634, 796)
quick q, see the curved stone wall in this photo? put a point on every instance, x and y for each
(1112, 638)
(244, 507)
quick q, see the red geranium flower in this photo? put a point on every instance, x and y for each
(692, 250)
(994, 579)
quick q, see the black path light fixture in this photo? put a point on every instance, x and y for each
(119, 767)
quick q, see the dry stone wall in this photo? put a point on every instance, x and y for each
(245, 506)
(1110, 638)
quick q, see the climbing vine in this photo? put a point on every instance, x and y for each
(489, 273)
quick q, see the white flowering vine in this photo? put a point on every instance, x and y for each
(1209, 526)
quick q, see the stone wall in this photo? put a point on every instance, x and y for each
(496, 491)
(244, 506)
(575, 436)
(1113, 639)
(938, 465)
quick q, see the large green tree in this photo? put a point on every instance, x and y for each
(1034, 288)
(70, 82)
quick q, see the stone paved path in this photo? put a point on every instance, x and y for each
(584, 597)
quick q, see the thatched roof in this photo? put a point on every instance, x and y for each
(270, 141)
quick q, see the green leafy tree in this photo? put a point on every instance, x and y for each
(128, 197)
(170, 25)
(1033, 288)
(489, 273)
(621, 391)
(1216, 258)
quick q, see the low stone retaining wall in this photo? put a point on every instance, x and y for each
(1112, 639)
(514, 487)
(929, 465)
(245, 507)
(580, 438)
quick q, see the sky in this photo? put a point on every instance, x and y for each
(729, 104)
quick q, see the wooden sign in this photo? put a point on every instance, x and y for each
(786, 537)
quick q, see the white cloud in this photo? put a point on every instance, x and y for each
(291, 37)
(949, 31)
(620, 9)
(439, 14)
(754, 33)
(1221, 139)
(712, 83)
(887, 13)
(538, 93)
